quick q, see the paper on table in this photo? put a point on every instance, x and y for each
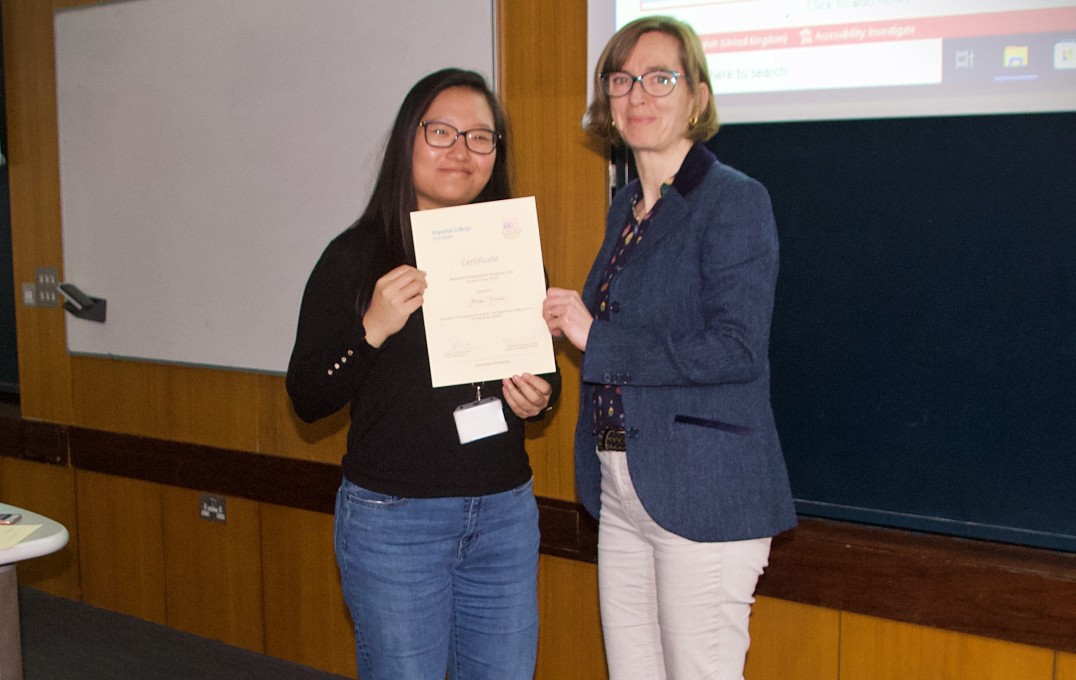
(483, 306)
(12, 535)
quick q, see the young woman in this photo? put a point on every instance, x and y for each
(437, 541)
(676, 449)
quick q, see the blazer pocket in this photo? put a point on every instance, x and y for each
(713, 424)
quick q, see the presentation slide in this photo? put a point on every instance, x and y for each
(786, 60)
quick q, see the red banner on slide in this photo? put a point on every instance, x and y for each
(927, 28)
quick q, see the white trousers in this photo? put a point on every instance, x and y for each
(671, 608)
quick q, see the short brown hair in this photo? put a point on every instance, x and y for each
(599, 118)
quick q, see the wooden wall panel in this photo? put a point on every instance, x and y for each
(792, 640)
(569, 634)
(30, 89)
(281, 433)
(1066, 667)
(50, 491)
(543, 84)
(121, 550)
(181, 403)
(306, 620)
(877, 649)
(212, 570)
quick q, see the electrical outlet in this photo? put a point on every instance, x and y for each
(213, 508)
(29, 294)
(46, 287)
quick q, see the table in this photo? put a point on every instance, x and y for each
(49, 537)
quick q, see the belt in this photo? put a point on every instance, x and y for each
(612, 440)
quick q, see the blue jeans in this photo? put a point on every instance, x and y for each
(436, 584)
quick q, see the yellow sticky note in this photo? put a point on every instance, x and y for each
(15, 534)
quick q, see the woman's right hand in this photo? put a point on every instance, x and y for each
(566, 316)
(396, 297)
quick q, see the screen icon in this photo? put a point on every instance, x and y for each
(1015, 56)
(1065, 54)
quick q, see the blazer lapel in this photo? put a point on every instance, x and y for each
(672, 211)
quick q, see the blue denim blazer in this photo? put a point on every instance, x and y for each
(687, 341)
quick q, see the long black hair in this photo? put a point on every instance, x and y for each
(388, 214)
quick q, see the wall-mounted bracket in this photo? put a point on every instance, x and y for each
(81, 305)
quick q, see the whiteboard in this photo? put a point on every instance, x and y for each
(210, 150)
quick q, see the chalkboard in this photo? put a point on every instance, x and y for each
(924, 335)
(210, 150)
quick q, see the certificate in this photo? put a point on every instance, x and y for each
(486, 284)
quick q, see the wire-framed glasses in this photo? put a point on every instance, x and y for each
(443, 135)
(656, 83)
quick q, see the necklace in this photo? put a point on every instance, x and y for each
(637, 210)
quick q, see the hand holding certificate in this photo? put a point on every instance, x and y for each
(483, 306)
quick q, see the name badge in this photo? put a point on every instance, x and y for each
(479, 419)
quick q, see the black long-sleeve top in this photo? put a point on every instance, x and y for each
(402, 440)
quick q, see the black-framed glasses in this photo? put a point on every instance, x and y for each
(657, 83)
(443, 135)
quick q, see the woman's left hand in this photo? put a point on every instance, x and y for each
(527, 395)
